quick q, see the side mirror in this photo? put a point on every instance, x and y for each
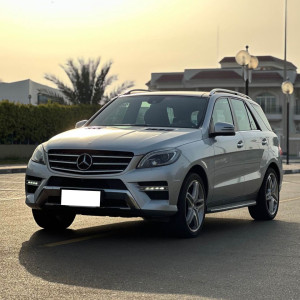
(80, 123)
(222, 129)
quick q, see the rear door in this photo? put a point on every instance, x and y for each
(253, 146)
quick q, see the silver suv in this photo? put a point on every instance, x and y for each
(174, 155)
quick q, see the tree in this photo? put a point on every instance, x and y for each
(89, 86)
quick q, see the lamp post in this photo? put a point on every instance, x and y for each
(287, 88)
(248, 63)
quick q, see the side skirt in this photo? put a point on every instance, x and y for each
(231, 206)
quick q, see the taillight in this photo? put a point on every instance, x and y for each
(280, 150)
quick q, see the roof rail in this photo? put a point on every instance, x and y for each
(134, 90)
(227, 91)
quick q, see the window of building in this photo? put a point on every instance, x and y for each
(297, 107)
(268, 103)
(44, 98)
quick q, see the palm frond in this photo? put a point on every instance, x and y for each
(87, 85)
(117, 91)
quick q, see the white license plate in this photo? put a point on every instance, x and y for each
(80, 198)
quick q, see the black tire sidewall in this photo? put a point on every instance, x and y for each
(260, 211)
(181, 224)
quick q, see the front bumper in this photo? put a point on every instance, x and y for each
(122, 193)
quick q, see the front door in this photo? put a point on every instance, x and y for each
(228, 160)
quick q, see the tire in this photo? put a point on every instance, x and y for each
(191, 207)
(53, 220)
(267, 202)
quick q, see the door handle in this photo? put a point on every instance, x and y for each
(264, 141)
(240, 144)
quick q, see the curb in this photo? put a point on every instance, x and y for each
(286, 172)
(13, 170)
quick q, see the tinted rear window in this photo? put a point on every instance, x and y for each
(260, 115)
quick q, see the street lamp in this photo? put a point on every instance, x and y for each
(287, 88)
(248, 63)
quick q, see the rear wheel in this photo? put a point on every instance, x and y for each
(268, 198)
(191, 207)
(53, 220)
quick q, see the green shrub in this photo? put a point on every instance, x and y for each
(29, 124)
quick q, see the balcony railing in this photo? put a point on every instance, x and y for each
(297, 110)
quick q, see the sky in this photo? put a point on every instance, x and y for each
(140, 36)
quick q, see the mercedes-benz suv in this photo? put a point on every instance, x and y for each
(171, 155)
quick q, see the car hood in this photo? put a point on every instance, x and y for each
(138, 140)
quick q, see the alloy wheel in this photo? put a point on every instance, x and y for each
(272, 194)
(194, 205)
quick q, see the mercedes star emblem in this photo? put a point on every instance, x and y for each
(84, 162)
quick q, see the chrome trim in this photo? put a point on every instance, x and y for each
(72, 155)
(231, 206)
(214, 91)
(86, 172)
(62, 162)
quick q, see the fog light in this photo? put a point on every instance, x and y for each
(153, 188)
(32, 182)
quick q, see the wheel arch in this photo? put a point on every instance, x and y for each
(275, 167)
(201, 172)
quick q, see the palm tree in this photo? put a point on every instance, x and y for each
(88, 85)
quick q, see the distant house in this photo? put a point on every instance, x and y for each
(28, 91)
(265, 88)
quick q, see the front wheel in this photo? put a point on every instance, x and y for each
(267, 202)
(191, 207)
(52, 220)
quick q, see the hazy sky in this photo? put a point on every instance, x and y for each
(140, 36)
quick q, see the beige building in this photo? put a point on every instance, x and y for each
(265, 88)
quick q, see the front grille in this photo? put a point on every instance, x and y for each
(66, 182)
(95, 161)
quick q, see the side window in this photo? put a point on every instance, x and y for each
(241, 115)
(259, 112)
(251, 119)
(222, 112)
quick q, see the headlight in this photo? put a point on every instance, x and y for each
(38, 155)
(159, 158)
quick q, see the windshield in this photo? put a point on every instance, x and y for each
(154, 111)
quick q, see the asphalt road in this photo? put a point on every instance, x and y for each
(113, 258)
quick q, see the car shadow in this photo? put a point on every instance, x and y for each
(231, 258)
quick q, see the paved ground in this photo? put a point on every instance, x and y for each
(113, 258)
